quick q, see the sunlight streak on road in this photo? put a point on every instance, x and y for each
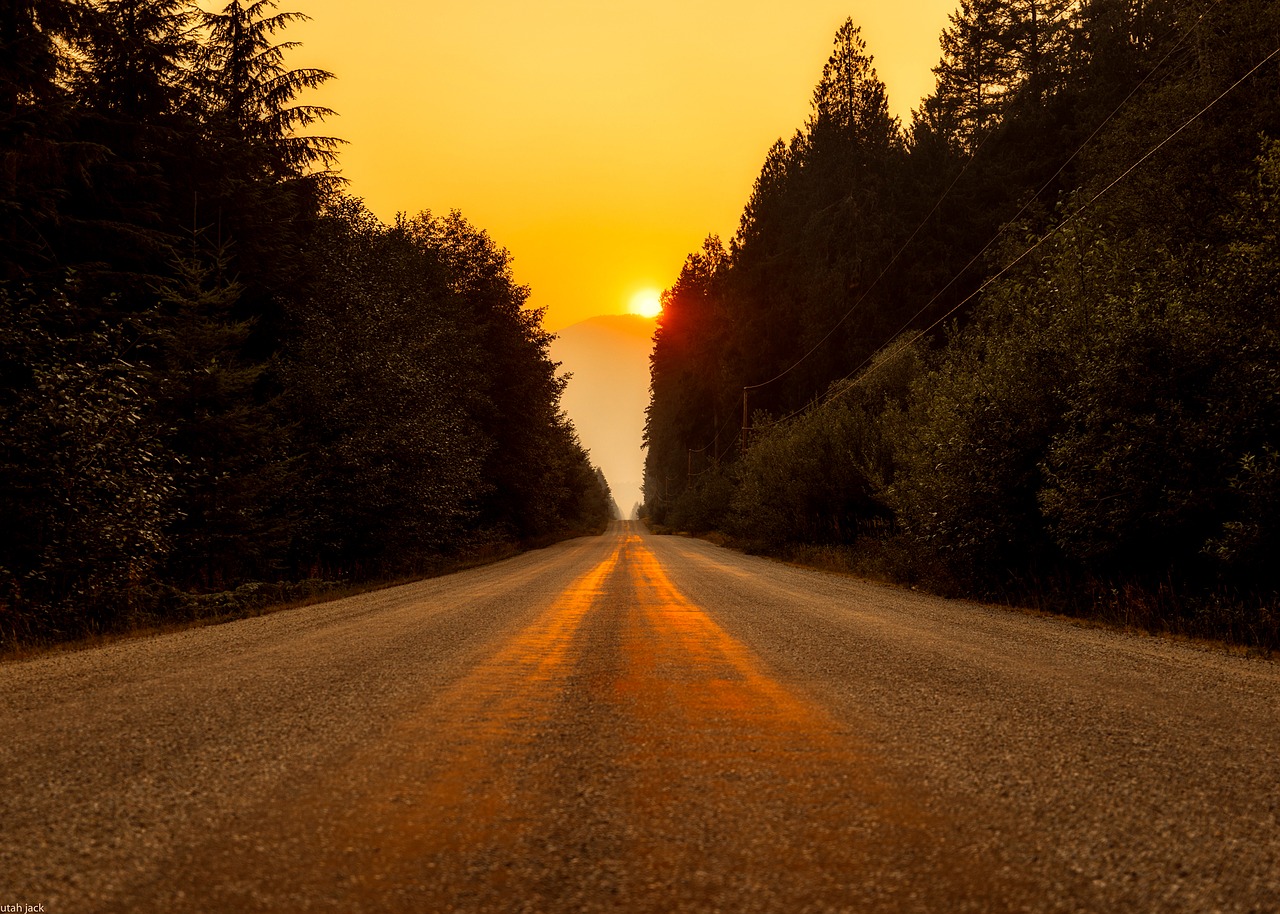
(622, 745)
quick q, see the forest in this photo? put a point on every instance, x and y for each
(224, 379)
(1022, 348)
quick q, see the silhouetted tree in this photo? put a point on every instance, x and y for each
(38, 152)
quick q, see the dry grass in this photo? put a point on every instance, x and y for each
(211, 609)
(1225, 622)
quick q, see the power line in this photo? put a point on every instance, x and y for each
(1026, 205)
(995, 128)
(880, 356)
(876, 357)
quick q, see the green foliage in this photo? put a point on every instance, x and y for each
(704, 505)
(1250, 540)
(802, 482)
(687, 368)
(226, 524)
(391, 468)
(1101, 411)
(813, 240)
(86, 479)
(535, 462)
(584, 502)
(821, 477)
(427, 409)
(249, 378)
(1107, 411)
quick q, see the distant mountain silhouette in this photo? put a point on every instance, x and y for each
(608, 358)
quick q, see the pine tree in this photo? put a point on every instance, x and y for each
(37, 153)
(265, 183)
(139, 59)
(135, 96)
(977, 73)
(253, 95)
(225, 524)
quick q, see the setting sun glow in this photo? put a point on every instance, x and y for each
(641, 127)
(647, 303)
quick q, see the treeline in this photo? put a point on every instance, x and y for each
(216, 367)
(1025, 346)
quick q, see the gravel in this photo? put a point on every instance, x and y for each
(642, 723)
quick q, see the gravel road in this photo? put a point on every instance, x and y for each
(641, 723)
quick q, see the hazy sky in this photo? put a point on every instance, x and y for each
(599, 142)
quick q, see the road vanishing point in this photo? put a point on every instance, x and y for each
(639, 723)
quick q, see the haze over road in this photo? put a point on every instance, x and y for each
(641, 723)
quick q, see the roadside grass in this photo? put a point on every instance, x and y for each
(1241, 623)
(1236, 623)
(160, 610)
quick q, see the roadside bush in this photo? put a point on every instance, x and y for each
(821, 477)
(85, 479)
(703, 505)
(1110, 413)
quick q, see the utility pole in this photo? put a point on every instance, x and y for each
(745, 419)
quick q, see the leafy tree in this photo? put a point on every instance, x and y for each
(1103, 403)
(1109, 413)
(808, 480)
(516, 391)
(1172, 427)
(392, 461)
(216, 369)
(611, 505)
(86, 476)
(464, 438)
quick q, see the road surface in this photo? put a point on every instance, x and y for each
(641, 723)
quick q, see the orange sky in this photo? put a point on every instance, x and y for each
(598, 142)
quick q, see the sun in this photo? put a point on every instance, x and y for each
(647, 303)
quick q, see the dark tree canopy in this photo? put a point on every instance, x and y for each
(219, 370)
(1030, 337)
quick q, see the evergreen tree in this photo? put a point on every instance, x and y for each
(267, 180)
(38, 155)
(227, 524)
(135, 96)
(253, 95)
(139, 57)
(689, 400)
(977, 73)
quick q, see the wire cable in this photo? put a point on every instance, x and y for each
(875, 358)
(995, 128)
(1026, 205)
